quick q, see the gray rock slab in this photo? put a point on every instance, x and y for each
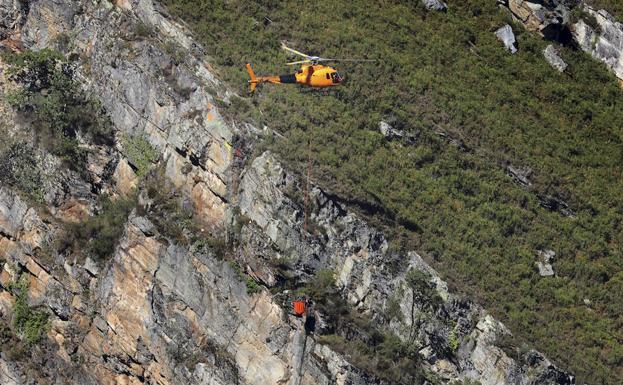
(506, 36)
(554, 59)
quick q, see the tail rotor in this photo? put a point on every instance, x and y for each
(253, 82)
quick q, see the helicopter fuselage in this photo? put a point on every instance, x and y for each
(315, 75)
(318, 76)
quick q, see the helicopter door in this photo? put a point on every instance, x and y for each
(287, 79)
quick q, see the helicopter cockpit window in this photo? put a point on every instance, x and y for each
(335, 77)
(328, 77)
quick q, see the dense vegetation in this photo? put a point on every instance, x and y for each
(446, 73)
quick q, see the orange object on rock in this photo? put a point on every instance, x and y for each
(299, 307)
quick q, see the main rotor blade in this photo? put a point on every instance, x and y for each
(298, 62)
(283, 46)
(355, 60)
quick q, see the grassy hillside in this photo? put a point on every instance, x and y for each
(446, 72)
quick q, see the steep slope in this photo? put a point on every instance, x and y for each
(499, 157)
(178, 300)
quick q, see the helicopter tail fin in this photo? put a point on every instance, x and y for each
(253, 82)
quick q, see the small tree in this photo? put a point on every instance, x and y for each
(424, 290)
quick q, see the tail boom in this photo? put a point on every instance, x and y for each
(255, 80)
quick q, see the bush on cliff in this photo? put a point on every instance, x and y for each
(98, 235)
(20, 168)
(51, 100)
(29, 323)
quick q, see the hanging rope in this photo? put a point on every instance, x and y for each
(309, 164)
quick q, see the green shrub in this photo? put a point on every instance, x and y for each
(252, 286)
(19, 168)
(424, 289)
(466, 381)
(614, 7)
(31, 324)
(175, 52)
(18, 351)
(182, 354)
(393, 310)
(218, 245)
(5, 333)
(322, 285)
(453, 341)
(578, 14)
(165, 210)
(140, 153)
(143, 30)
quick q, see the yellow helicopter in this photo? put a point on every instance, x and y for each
(311, 73)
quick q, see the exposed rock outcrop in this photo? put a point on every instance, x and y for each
(371, 277)
(389, 132)
(604, 41)
(595, 31)
(549, 18)
(520, 174)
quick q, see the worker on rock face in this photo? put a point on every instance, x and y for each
(310, 318)
(303, 307)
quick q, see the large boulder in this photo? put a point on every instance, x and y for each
(548, 18)
(435, 5)
(390, 132)
(554, 59)
(506, 36)
(545, 258)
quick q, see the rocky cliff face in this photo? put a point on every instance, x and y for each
(596, 32)
(603, 40)
(169, 310)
